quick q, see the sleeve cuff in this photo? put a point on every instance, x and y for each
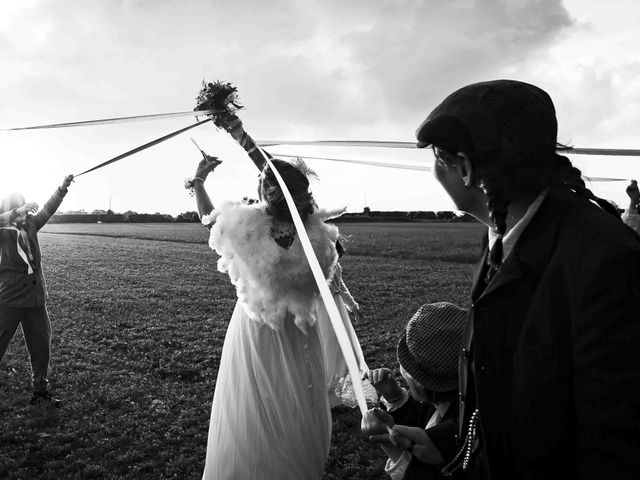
(397, 469)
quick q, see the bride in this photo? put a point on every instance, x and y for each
(270, 417)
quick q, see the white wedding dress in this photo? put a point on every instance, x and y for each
(270, 417)
(339, 383)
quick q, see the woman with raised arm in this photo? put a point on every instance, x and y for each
(23, 291)
(270, 417)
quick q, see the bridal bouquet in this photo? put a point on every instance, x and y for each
(223, 97)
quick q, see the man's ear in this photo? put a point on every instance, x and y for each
(466, 169)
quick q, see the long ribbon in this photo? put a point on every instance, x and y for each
(334, 143)
(325, 293)
(423, 168)
(613, 152)
(385, 144)
(339, 143)
(105, 121)
(144, 147)
(402, 166)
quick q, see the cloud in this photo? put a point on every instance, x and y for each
(417, 55)
(318, 68)
(314, 69)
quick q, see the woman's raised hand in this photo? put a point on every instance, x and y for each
(66, 182)
(206, 166)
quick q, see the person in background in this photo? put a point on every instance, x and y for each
(425, 421)
(22, 287)
(549, 377)
(631, 215)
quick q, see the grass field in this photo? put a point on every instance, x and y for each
(139, 314)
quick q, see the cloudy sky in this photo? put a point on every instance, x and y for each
(305, 70)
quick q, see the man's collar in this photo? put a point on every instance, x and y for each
(512, 236)
(533, 249)
(442, 408)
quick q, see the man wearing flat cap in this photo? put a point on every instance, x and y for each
(549, 377)
(22, 286)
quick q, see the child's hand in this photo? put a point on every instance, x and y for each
(375, 421)
(382, 439)
(385, 384)
(418, 442)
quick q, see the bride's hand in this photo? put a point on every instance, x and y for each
(206, 166)
(357, 313)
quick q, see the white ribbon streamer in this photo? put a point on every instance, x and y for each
(325, 293)
(106, 121)
(401, 166)
(614, 152)
(422, 168)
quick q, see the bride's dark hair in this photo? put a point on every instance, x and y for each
(296, 178)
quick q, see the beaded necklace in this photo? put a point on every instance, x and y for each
(463, 456)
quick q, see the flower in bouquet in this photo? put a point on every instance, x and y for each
(218, 95)
(223, 98)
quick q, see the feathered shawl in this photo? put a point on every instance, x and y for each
(270, 280)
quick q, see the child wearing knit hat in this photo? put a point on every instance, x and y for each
(423, 420)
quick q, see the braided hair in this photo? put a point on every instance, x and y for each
(504, 182)
(571, 177)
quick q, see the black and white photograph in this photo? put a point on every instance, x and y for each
(304, 240)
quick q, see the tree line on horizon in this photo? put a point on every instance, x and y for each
(367, 215)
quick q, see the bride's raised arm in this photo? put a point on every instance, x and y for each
(203, 201)
(240, 135)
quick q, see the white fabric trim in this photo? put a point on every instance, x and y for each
(21, 251)
(209, 219)
(396, 470)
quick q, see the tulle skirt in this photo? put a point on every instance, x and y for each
(339, 384)
(270, 417)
